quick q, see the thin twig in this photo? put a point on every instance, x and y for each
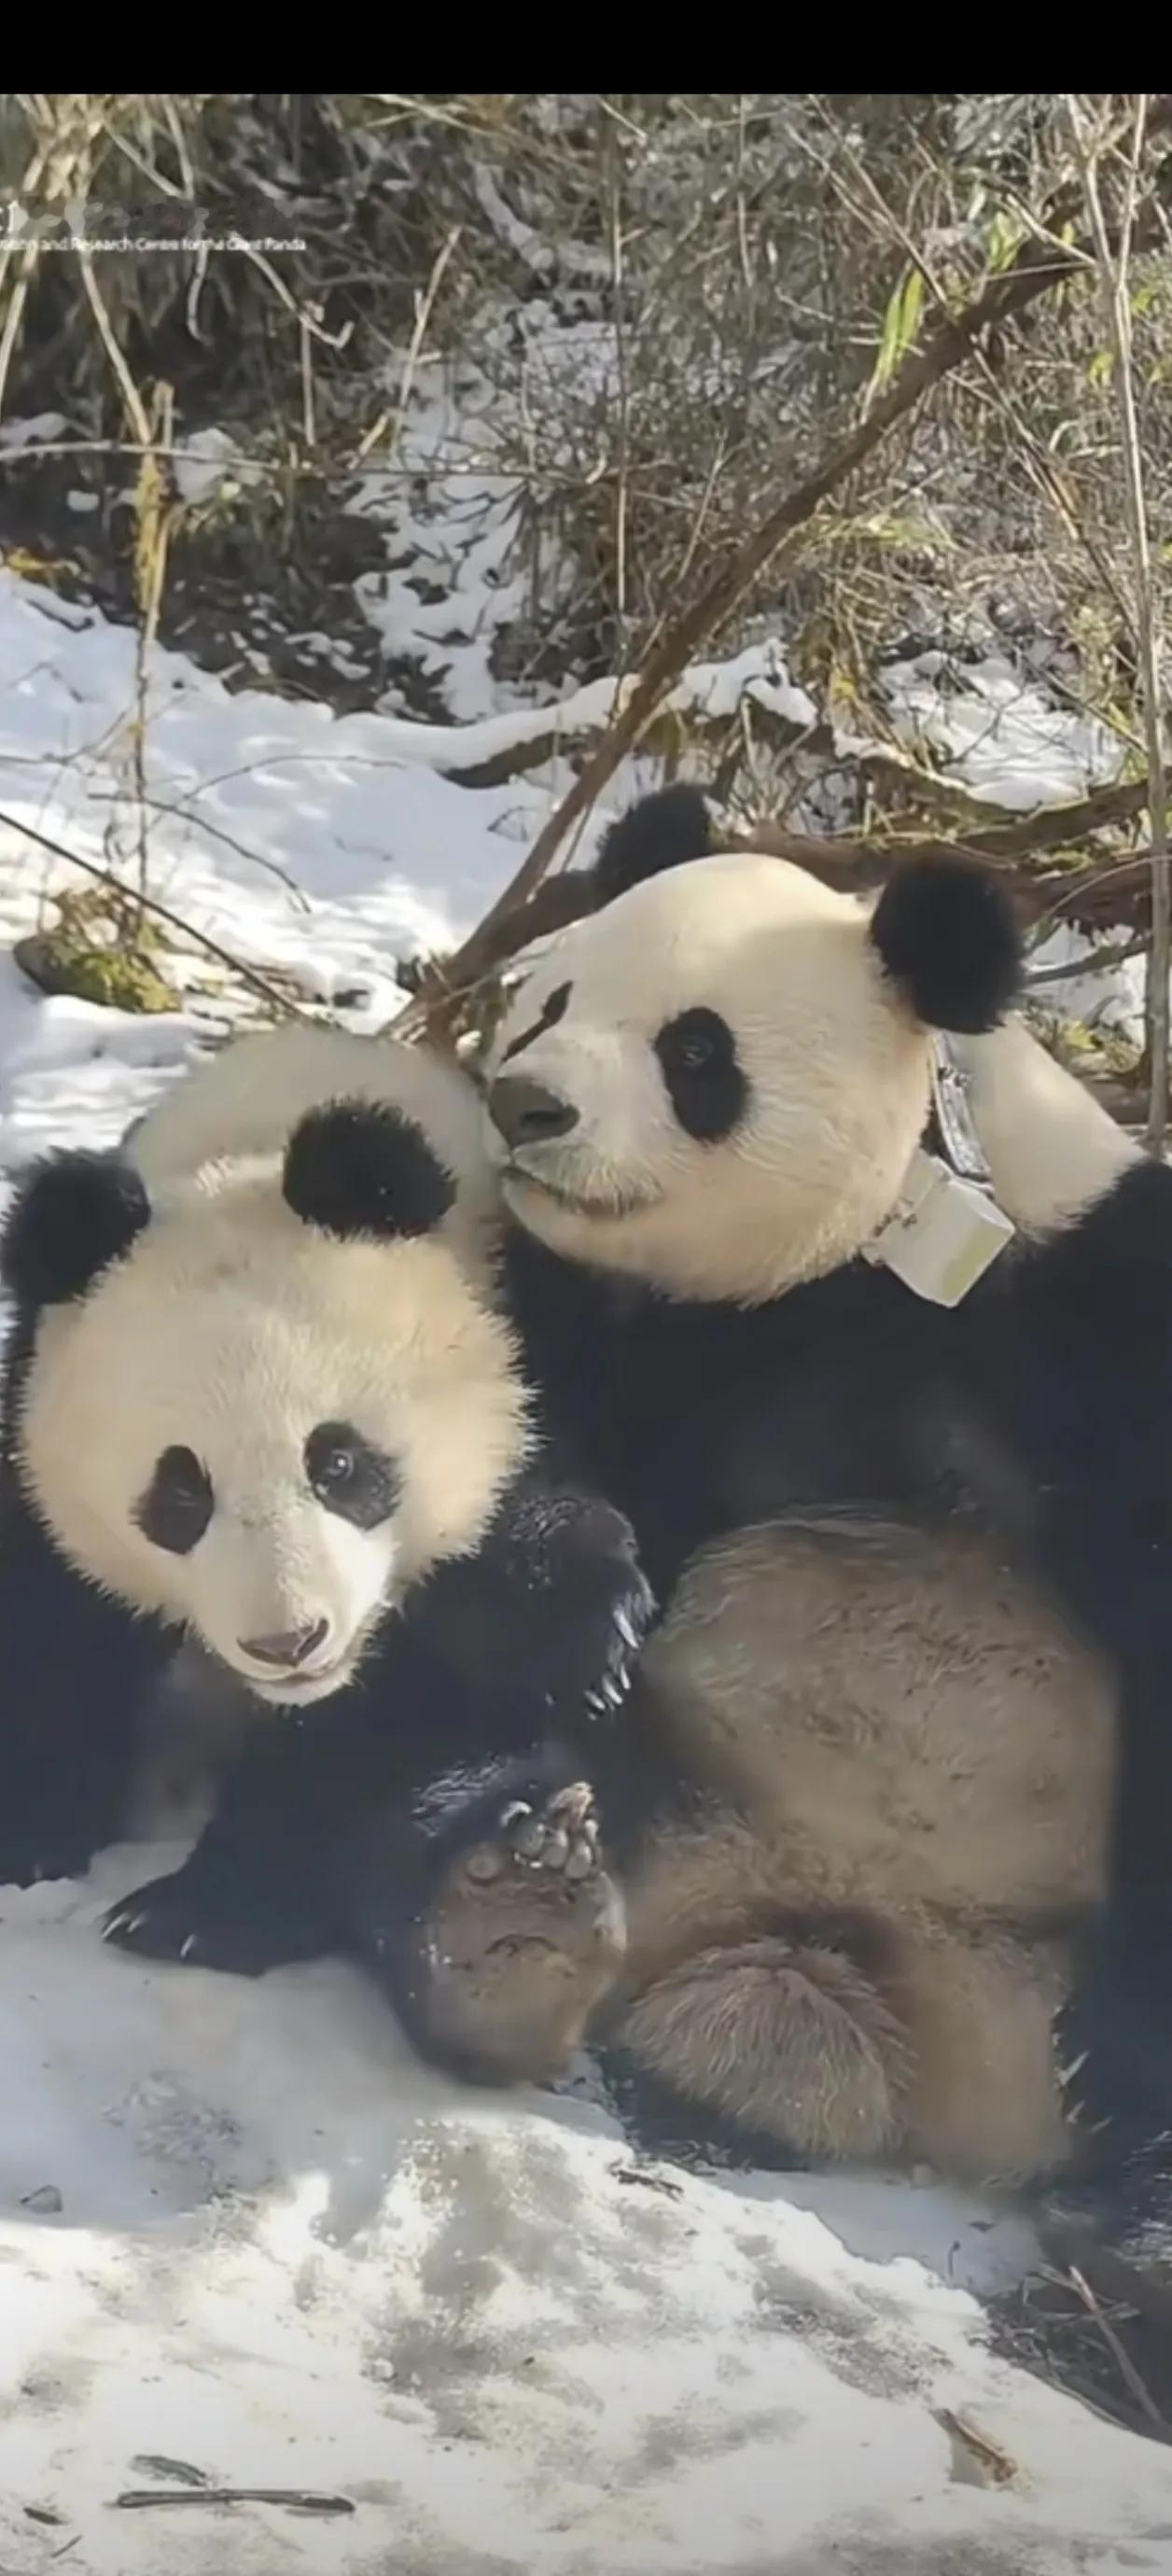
(136, 408)
(151, 903)
(617, 291)
(182, 813)
(1119, 2354)
(153, 516)
(423, 312)
(308, 402)
(297, 2499)
(1114, 264)
(1102, 961)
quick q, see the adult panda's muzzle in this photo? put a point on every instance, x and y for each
(527, 1113)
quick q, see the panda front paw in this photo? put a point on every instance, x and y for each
(619, 1637)
(30, 1860)
(53, 1822)
(602, 1610)
(194, 1921)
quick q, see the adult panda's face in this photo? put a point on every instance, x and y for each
(717, 1082)
(267, 1430)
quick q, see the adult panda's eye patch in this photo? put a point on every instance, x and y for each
(698, 1059)
(178, 1503)
(350, 1476)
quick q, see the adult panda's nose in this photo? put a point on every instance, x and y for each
(292, 1648)
(526, 1113)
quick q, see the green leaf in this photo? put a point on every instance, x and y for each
(1004, 237)
(900, 324)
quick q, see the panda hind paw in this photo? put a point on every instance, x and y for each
(521, 1941)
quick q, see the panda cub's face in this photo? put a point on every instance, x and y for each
(267, 1431)
(711, 1083)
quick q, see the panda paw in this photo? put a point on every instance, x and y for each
(38, 1858)
(51, 1827)
(560, 1835)
(239, 1931)
(522, 1939)
(611, 1649)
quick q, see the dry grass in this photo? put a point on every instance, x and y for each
(1101, 2352)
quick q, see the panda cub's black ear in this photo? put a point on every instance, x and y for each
(947, 937)
(663, 831)
(72, 1216)
(357, 1167)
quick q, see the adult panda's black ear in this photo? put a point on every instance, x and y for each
(663, 831)
(947, 936)
(358, 1168)
(72, 1216)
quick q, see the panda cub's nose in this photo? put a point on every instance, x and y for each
(526, 1113)
(289, 1650)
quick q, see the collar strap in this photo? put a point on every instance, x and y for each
(959, 1142)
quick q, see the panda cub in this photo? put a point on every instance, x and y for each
(260, 1393)
(917, 1558)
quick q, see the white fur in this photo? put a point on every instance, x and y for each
(233, 1329)
(838, 1072)
(1052, 1149)
(248, 1098)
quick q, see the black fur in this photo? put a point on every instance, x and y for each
(705, 1084)
(947, 937)
(73, 1214)
(500, 1676)
(350, 1476)
(357, 1168)
(1041, 1407)
(662, 831)
(178, 1503)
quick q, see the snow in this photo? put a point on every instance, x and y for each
(242, 2232)
(209, 463)
(287, 2256)
(998, 735)
(42, 430)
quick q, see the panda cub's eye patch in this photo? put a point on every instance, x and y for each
(705, 1084)
(350, 1476)
(175, 1510)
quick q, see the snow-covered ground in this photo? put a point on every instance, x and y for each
(242, 2234)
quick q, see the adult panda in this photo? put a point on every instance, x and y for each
(935, 1540)
(259, 1392)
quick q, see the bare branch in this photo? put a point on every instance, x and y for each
(1114, 262)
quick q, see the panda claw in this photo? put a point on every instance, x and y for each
(186, 1947)
(512, 1814)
